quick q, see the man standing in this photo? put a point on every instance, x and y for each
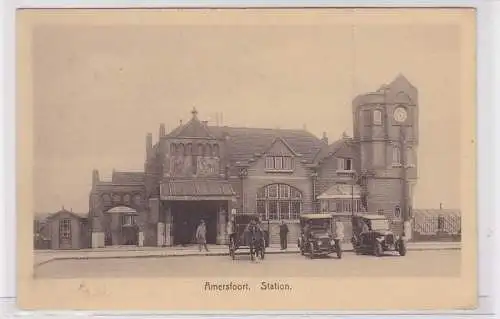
(201, 235)
(283, 234)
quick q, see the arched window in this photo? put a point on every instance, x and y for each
(208, 150)
(279, 201)
(199, 150)
(215, 150)
(396, 155)
(180, 150)
(189, 149)
(172, 149)
(377, 117)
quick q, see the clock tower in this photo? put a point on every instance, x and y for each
(386, 131)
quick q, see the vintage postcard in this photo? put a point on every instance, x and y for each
(246, 159)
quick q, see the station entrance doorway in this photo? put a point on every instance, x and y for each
(186, 216)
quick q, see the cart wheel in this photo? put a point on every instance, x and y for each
(378, 249)
(311, 250)
(232, 249)
(402, 248)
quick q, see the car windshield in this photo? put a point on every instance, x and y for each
(380, 224)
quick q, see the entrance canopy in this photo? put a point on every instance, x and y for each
(196, 190)
(338, 191)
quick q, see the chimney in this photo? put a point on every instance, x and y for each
(149, 144)
(205, 123)
(95, 177)
(325, 138)
(162, 130)
(180, 122)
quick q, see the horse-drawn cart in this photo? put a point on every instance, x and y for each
(248, 233)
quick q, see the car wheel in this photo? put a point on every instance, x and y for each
(378, 249)
(311, 250)
(402, 248)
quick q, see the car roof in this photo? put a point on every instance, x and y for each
(316, 216)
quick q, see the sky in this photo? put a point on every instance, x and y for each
(98, 90)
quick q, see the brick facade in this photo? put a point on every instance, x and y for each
(215, 158)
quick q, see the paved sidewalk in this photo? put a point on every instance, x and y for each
(44, 256)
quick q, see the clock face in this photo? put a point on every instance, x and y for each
(400, 114)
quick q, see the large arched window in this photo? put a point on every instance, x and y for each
(279, 201)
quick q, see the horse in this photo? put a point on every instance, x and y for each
(255, 241)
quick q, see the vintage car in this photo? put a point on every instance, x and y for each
(371, 234)
(316, 236)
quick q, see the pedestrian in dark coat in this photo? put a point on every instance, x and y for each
(201, 235)
(283, 235)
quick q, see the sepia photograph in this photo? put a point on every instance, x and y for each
(254, 153)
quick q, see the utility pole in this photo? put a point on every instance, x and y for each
(404, 178)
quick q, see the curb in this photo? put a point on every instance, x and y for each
(214, 254)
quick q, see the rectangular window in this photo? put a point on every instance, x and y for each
(65, 229)
(278, 162)
(284, 210)
(345, 164)
(396, 155)
(332, 206)
(324, 206)
(272, 209)
(128, 220)
(287, 163)
(269, 162)
(377, 117)
(295, 210)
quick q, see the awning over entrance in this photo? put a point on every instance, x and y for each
(341, 191)
(197, 190)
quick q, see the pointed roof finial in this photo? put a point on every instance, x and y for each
(194, 112)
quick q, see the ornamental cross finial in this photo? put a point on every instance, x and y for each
(194, 111)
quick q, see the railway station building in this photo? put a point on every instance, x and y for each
(199, 171)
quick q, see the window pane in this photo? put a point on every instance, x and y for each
(340, 163)
(324, 205)
(295, 212)
(273, 209)
(284, 209)
(261, 192)
(377, 117)
(261, 209)
(278, 162)
(272, 191)
(296, 193)
(269, 162)
(284, 191)
(287, 163)
(395, 155)
(348, 164)
(332, 206)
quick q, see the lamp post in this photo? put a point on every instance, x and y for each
(404, 178)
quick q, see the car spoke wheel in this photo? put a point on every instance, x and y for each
(311, 250)
(402, 248)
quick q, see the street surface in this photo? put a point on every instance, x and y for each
(416, 263)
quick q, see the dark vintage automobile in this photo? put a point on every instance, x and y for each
(372, 235)
(316, 236)
(246, 236)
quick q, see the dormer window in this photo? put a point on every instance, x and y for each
(279, 163)
(345, 164)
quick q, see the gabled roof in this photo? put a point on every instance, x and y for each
(330, 150)
(192, 129)
(127, 177)
(244, 142)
